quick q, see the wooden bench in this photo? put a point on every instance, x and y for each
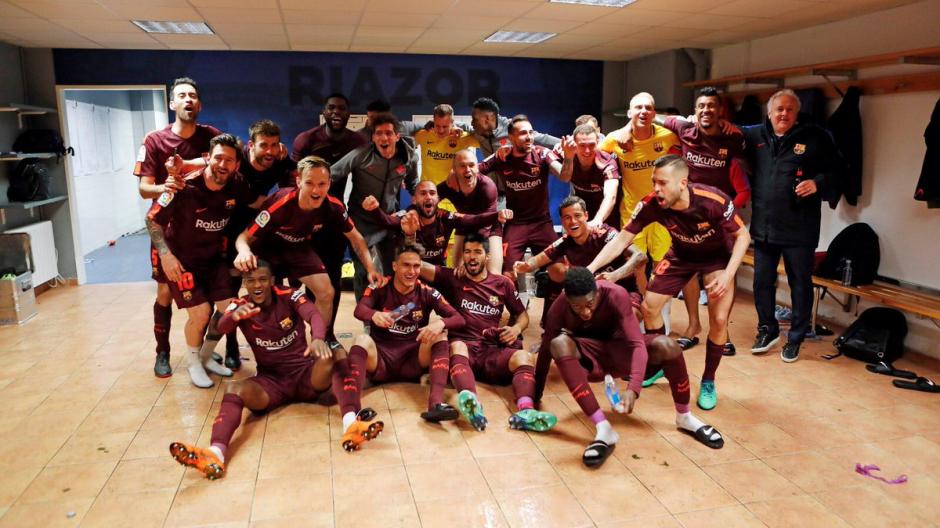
(921, 304)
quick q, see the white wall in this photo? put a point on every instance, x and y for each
(893, 127)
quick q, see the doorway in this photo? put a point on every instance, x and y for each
(106, 126)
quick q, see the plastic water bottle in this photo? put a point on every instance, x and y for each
(401, 311)
(528, 282)
(613, 394)
(847, 273)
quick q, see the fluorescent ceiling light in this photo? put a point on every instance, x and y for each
(524, 37)
(602, 3)
(175, 28)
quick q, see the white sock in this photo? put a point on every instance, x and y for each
(348, 419)
(217, 452)
(215, 368)
(665, 312)
(689, 422)
(605, 433)
(196, 371)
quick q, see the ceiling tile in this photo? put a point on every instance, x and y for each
(377, 18)
(668, 33)
(436, 51)
(8, 10)
(103, 37)
(259, 42)
(28, 25)
(319, 47)
(52, 9)
(246, 30)
(415, 7)
(309, 16)
(365, 48)
(400, 42)
(541, 25)
(503, 8)
(240, 4)
(494, 48)
(150, 3)
(442, 38)
(631, 15)
(711, 22)
(678, 6)
(450, 21)
(762, 8)
(583, 13)
(92, 26)
(388, 32)
(325, 5)
(568, 40)
(260, 16)
(319, 32)
(607, 30)
(148, 12)
(197, 42)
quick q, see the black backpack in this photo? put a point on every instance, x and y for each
(877, 335)
(41, 140)
(858, 243)
(29, 181)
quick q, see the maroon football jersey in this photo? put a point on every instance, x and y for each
(480, 303)
(699, 233)
(159, 145)
(525, 180)
(316, 142)
(434, 237)
(387, 298)
(277, 334)
(709, 157)
(565, 248)
(588, 183)
(282, 221)
(482, 199)
(194, 218)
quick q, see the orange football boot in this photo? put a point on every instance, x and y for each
(365, 428)
(202, 459)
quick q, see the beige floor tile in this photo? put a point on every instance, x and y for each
(297, 430)
(603, 498)
(703, 455)
(145, 474)
(291, 496)
(240, 465)
(651, 454)
(684, 490)
(294, 460)
(464, 480)
(424, 442)
(131, 510)
(75, 481)
(108, 447)
(543, 507)
(765, 439)
(175, 416)
(917, 451)
(378, 510)
(751, 481)
(864, 506)
(46, 514)
(792, 512)
(730, 517)
(113, 420)
(661, 521)
(471, 512)
(13, 481)
(812, 471)
(232, 498)
(518, 472)
(313, 520)
(156, 443)
(495, 443)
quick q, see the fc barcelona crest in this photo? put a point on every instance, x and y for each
(287, 323)
(494, 300)
(417, 315)
(799, 148)
(722, 153)
(658, 146)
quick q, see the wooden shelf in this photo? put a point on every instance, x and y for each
(30, 205)
(16, 156)
(25, 110)
(841, 74)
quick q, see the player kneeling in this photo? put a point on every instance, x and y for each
(289, 370)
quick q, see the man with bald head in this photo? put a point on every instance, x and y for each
(708, 237)
(791, 163)
(473, 193)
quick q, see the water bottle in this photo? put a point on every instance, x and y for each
(528, 281)
(847, 273)
(401, 311)
(613, 394)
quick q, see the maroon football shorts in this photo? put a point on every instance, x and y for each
(211, 283)
(291, 387)
(672, 274)
(293, 261)
(517, 237)
(606, 356)
(398, 361)
(490, 362)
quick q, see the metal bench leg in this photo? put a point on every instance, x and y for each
(818, 292)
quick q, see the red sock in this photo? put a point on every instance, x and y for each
(437, 377)
(713, 355)
(678, 377)
(523, 386)
(348, 381)
(577, 381)
(461, 374)
(227, 421)
(162, 315)
(661, 330)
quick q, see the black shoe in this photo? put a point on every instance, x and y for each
(440, 413)
(233, 360)
(790, 352)
(217, 358)
(765, 340)
(161, 368)
(729, 349)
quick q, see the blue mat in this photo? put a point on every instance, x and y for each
(128, 260)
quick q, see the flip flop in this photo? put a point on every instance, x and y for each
(887, 369)
(687, 342)
(922, 384)
(706, 434)
(602, 451)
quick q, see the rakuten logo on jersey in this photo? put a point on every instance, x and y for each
(697, 239)
(403, 329)
(706, 161)
(211, 225)
(271, 344)
(294, 239)
(480, 308)
(523, 186)
(638, 165)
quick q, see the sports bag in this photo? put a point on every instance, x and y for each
(41, 140)
(29, 181)
(857, 243)
(877, 335)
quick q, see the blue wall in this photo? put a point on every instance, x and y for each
(239, 88)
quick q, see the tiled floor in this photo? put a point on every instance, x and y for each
(85, 428)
